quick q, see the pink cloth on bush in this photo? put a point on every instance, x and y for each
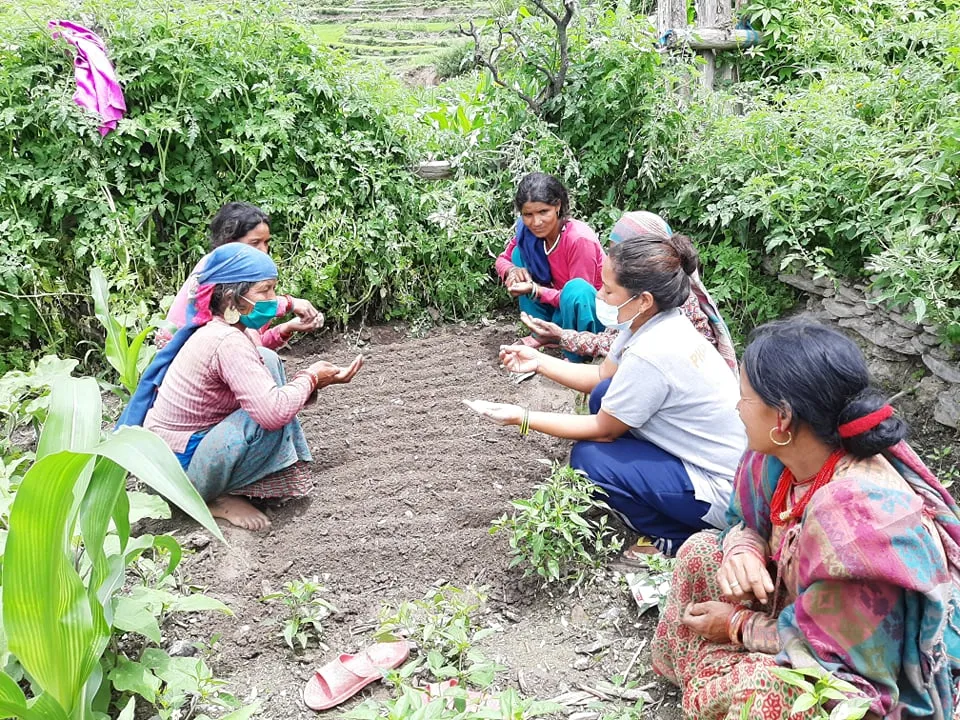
(97, 87)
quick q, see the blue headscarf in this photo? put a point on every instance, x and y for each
(230, 263)
(534, 255)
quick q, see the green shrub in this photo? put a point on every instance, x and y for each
(443, 626)
(224, 103)
(846, 156)
(549, 534)
(454, 60)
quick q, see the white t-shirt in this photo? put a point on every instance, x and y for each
(674, 390)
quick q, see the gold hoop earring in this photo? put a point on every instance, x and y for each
(781, 444)
(231, 315)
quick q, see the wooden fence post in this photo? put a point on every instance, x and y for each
(712, 31)
(671, 14)
(711, 14)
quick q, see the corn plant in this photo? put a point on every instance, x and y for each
(127, 356)
(550, 533)
(61, 598)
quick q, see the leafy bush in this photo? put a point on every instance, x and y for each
(455, 60)
(550, 535)
(846, 156)
(224, 103)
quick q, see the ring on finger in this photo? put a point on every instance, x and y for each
(734, 584)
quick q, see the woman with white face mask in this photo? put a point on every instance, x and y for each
(663, 438)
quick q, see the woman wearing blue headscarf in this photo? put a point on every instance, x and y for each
(552, 264)
(222, 402)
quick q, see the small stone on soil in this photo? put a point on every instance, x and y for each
(594, 647)
(182, 648)
(196, 541)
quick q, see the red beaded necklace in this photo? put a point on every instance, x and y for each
(778, 504)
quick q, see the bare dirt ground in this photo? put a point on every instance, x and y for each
(408, 481)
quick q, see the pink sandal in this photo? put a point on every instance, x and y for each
(344, 677)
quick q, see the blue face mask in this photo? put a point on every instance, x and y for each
(609, 315)
(263, 312)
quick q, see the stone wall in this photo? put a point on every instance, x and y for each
(899, 351)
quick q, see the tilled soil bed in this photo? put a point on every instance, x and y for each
(408, 482)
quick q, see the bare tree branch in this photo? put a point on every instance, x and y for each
(526, 56)
(489, 62)
(554, 80)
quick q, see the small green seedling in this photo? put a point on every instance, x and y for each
(825, 688)
(306, 610)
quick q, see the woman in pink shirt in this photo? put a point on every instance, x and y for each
(244, 223)
(222, 402)
(552, 265)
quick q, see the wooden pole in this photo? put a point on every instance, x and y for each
(702, 39)
(712, 14)
(671, 15)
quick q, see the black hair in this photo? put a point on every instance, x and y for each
(659, 266)
(820, 375)
(540, 187)
(218, 299)
(233, 221)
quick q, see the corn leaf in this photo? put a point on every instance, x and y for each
(147, 456)
(105, 487)
(55, 631)
(14, 704)
(115, 344)
(131, 370)
(73, 418)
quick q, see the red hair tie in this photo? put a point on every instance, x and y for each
(867, 422)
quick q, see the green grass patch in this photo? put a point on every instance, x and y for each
(396, 42)
(327, 33)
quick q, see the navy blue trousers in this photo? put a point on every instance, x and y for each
(646, 486)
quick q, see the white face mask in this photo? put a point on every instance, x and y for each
(609, 315)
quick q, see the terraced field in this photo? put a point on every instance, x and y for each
(402, 33)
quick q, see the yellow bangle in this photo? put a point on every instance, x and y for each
(525, 422)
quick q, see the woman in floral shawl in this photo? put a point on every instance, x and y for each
(843, 552)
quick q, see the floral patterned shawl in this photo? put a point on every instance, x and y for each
(878, 579)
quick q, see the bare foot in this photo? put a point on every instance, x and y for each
(237, 511)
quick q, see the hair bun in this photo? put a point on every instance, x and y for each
(881, 436)
(689, 257)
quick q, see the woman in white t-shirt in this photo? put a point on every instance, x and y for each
(663, 438)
